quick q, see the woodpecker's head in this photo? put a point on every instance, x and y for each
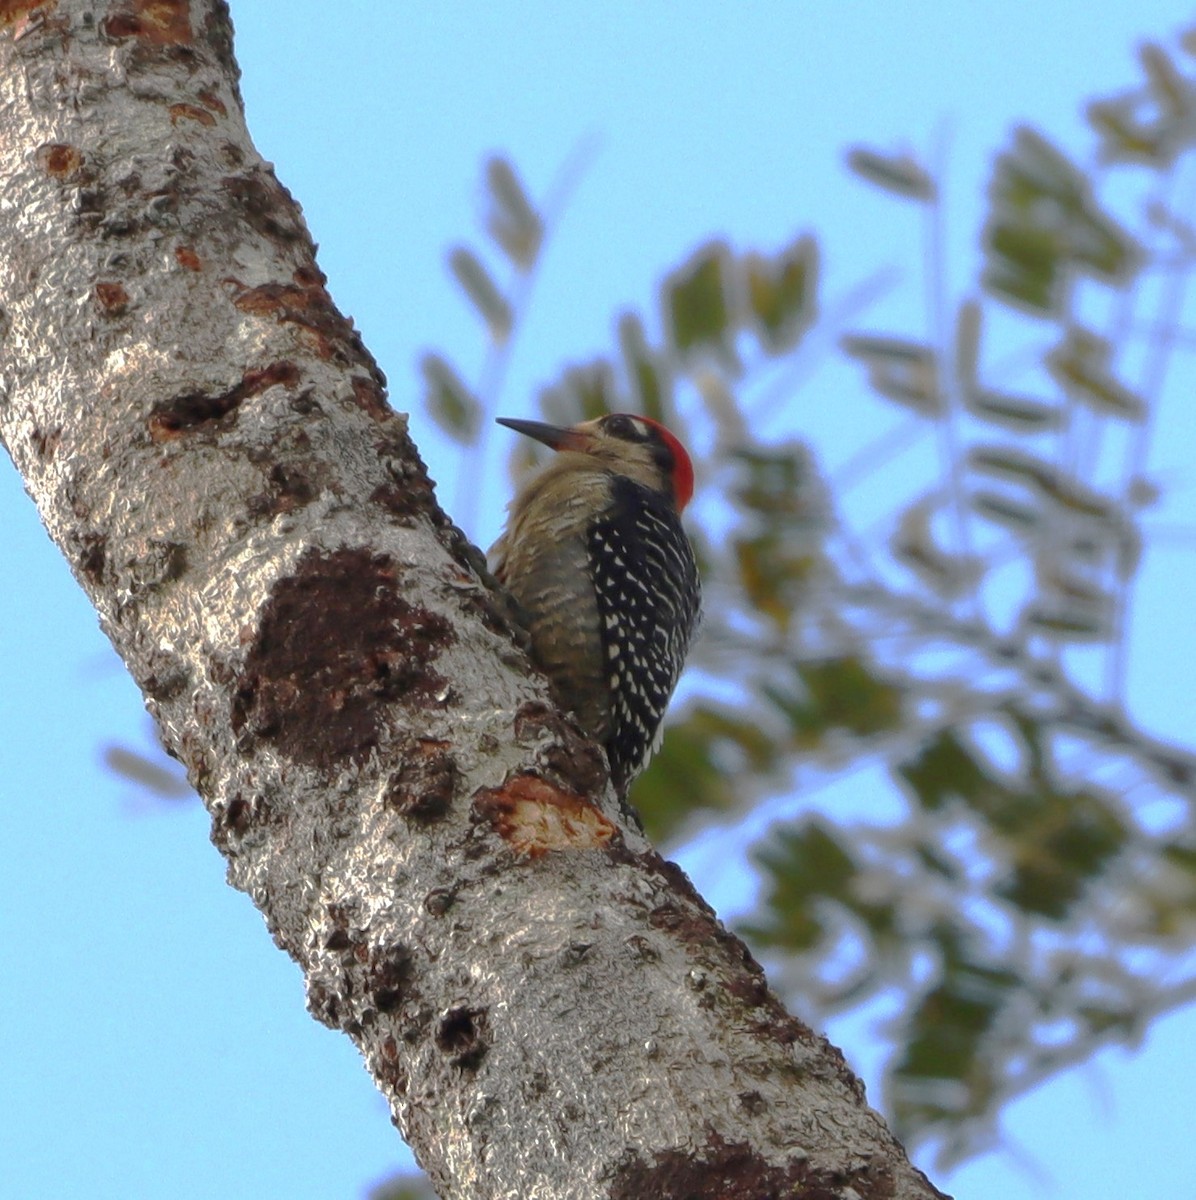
(638, 447)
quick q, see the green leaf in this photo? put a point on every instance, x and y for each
(775, 575)
(1171, 92)
(841, 693)
(780, 483)
(403, 1187)
(945, 769)
(1080, 365)
(1070, 622)
(1020, 518)
(1064, 584)
(899, 174)
(1046, 479)
(1008, 463)
(1025, 283)
(945, 1072)
(483, 292)
(1125, 137)
(1044, 225)
(949, 1024)
(511, 219)
(682, 779)
(1020, 414)
(913, 544)
(1070, 840)
(1182, 855)
(899, 369)
(802, 867)
(1101, 1021)
(448, 401)
(726, 728)
(782, 293)
(695, 299)
(850, 694)
(1022, 288)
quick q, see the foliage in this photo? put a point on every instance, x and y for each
(1011, 909)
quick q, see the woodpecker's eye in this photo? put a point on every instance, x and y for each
(627, 428)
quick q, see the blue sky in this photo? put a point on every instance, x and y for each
(153, 1042)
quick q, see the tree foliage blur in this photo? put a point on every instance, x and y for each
(1027, 889)
(1013, 906)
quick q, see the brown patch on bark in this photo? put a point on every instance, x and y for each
(111, 299)
(186, 257)
(258, 379)
(371, 398)
(217, 31)
(232, 155)
(163, 682)
(309, 275)
(399, 502)
(687, 926)
(18, 12)
(572, 758)
(324, 1005)
(232, 820)
(720, 1171)
(212, 101)
(723, 1170)
(337, 940)
(438, 901)
(62, 161)
(93, 556)
(158, 561)
(389, 977)
(309, 309)
(154, 22)
(385, 1067)
(289, 489)
(335, 646)
(46, 442)
(534, 816)
(410, 494)
(267, 206)
(462, 1036)
(422, 788)
(190, 112)
(192, 410)
(237, 815)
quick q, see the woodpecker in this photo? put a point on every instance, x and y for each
(595, 555)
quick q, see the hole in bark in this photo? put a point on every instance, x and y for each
(461, 1035)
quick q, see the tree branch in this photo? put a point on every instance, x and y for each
(548, 1006)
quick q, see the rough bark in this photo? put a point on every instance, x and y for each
(547, 1005)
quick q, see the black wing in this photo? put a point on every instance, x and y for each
(646, 582)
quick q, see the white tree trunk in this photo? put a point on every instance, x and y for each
(547, 1005)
